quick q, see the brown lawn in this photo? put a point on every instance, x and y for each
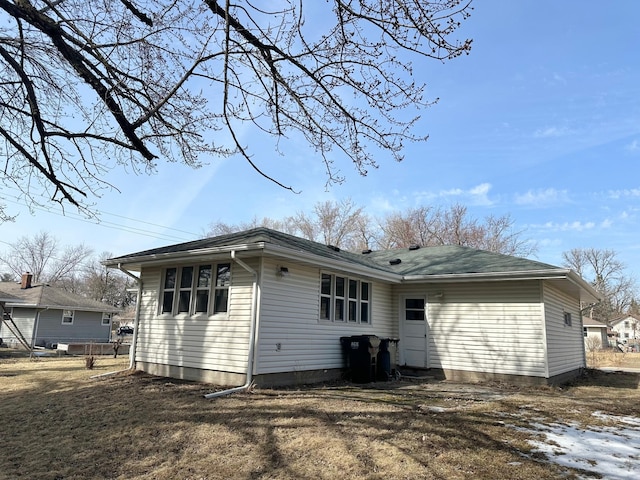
(58, 423)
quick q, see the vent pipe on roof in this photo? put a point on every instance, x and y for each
(334, 248)
(367, 251)
(395, 261)
(415, 246)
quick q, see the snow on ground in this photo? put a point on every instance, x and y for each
(612, 451)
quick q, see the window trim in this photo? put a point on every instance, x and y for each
(333, 299)
(68, 314)
(106, 316)
(212, 290)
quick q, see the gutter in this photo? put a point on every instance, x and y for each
(136, 321)
(253, 334)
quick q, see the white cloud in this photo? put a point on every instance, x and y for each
(630, 192)
(478, 195)
(576, 226)
(634, 146)
(552, 132)
(539, 198)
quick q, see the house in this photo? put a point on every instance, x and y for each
(47, 315)
(264, 306)
(595, 334)
(626, 328)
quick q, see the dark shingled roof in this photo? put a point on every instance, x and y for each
(47, 296)
(439, 260)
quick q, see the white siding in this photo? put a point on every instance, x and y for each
(565, 344)
(218, 342)
(491, 327)
(24, 318)
(289, 316)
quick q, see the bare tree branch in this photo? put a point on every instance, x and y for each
(88, 86)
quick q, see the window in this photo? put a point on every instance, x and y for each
(106, 319)
(414, 309)
(344, 299)
(585, 332)
(188, 290)
(67, 317)
(567, 319)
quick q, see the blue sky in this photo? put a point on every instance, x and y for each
(541, 122)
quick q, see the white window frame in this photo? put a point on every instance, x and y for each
(68, 314)
(217, 284)
(343, 300)
(106, 316)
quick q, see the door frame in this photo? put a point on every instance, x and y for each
(402, 328)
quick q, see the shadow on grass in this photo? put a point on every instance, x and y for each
(137, 426)
(616, 379)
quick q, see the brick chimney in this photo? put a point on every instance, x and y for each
(26, 281)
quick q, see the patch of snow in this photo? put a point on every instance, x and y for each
(611, 451)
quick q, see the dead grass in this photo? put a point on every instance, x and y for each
(613, 359)
(57, 423)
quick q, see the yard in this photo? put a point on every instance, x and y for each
(58, 423)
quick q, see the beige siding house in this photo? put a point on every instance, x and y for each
(271, 308)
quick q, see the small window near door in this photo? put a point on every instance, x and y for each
(67, 317)
(414, 309)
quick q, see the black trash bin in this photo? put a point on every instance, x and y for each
(361, 354)
(387, 359)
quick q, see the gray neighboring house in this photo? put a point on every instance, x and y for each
(271, 308)
(48, 315)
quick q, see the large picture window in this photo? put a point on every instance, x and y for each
(344, 299)
(188, 290)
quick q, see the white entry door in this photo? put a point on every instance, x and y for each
(414, 331)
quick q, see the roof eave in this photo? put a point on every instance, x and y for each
(163, 258)
(488, 276)
(270, 248)
(106, 308)
(326, 262)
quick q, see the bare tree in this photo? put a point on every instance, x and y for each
(428, 226)
(4, 216)
(89, 85)
(222, 228)
(44, 258)
(338, 223)
(608, 275)
(105, 284)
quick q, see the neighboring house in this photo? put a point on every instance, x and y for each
(48, 315)
(626, 328)
(272, 307)
(595, 334)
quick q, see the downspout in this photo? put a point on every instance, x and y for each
(136, 319)
(253, 333)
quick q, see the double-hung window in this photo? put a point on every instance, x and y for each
(188, 290)
(106, 319)
(67, 317)
(344, 299)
